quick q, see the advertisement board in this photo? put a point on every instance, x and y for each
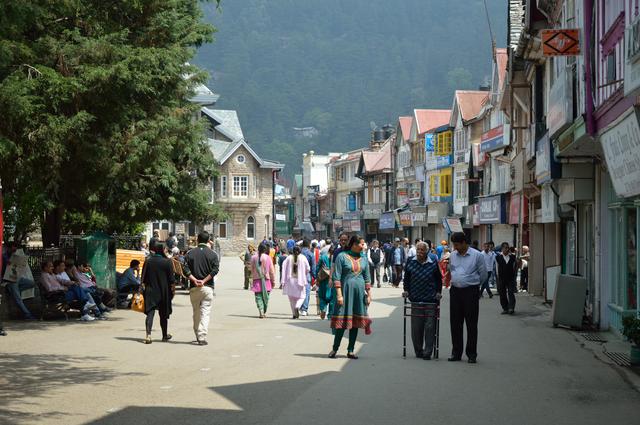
(491, 210)
(494, 139)
(621, 145)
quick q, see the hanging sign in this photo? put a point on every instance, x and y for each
(561, 42)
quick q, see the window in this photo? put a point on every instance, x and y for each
(611, 67)
(241, 159)
(251, 227)
(461, 140)
(461, 185)
(440, 184)
(443, 143)
(222, 230)
(212, 190)
(223, 186)
(240, 186)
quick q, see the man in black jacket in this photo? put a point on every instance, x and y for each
(506, 272)
(203, 265)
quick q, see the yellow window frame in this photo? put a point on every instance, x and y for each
(444, 143)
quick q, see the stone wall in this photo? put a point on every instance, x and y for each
(239, 210)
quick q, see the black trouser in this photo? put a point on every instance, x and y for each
(507, 291)
(423, 328)
(397, 276)
(464, 308)
(164, 322)
(524, 279)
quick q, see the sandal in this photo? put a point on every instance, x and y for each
(332, 354)
(147, 340)
(352, 356)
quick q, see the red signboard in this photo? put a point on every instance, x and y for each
(514, 209)
(561, 42)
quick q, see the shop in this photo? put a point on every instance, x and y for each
(371, 216)
(419, 221)
(436, 212)
(621, 192)
(492, 212)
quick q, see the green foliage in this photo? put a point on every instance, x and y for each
(631, 329)
(96, 124)
(338, 65)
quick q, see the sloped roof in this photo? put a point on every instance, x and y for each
(502, 57)
(430, 118)
(228, 122)
(203, 96)
(470, 102)
(376, 161)
(222, 151)
(405, 127)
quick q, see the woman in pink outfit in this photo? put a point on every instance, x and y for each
(294, 279)
(262, 273)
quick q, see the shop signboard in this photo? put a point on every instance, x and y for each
(281, 217)
(476, 214)
(621, 145)
(352, 215)
(387, 221)
(428, 142)
(632, 57)
(561, 42)
(549, 205)
(443, 161)
(560, 114)
(494, 139)
(415, 192)
(337, 224)
(402, 196)
(546, 167)
(420, 172)
(372, 211)
(492, 209)
(405, 219)
(431, 162)
(452, 224)
(355, 226)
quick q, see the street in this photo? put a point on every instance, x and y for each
(275, 371)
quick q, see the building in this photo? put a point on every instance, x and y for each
(346, 193)
(315, 180)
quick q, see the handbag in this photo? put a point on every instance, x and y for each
(324, 273)
(137, 303)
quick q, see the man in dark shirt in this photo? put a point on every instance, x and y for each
(423, 284)
(506, 273)
(202, 265)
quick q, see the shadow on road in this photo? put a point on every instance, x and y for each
(30, 375)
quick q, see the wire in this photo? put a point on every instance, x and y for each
(493, 40)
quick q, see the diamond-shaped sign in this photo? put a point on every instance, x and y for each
(561, 42)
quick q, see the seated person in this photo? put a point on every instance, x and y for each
(18, 278)
(71, 291)
(129, 281)
(82, 276)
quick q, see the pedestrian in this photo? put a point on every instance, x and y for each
(440, 249)
(489, 258)
(399, 258)
(290, 244)
(153, 241)
(306, 251)
(506, 273)
(376, 259)
(202, 266)
(524, 269)
(352, 284)
(467, 272)
(444, 267)
(246, 259)
(158, 280)
(475, 245)
(324, 290)
(412, 250)
(388, 249)
(294, 279)
(263, 274)
(423, 285)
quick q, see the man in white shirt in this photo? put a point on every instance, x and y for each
(489, 259)
(468, 270)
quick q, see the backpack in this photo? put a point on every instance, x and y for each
(375, 256)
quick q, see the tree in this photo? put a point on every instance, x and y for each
(97, 128)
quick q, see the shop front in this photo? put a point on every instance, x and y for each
(436, 212)
(420, 224)
(492, 212)
(371, 216)
(621, 190)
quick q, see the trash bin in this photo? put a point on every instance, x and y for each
(99, 250)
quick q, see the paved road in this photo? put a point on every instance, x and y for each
(275, 371)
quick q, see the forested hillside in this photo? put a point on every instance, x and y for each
(337, 65)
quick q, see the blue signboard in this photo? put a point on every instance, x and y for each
(492, 139)
(352, 202)
(444, 161)
(428, 142)
(387, 221)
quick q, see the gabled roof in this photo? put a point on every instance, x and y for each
(372, 162)
(502, 58)
(228, 122)
(203, 96)
(469, 103)
(429, 118)
(223, 150)
(405, 126)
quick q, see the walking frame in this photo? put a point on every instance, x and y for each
(424, 308)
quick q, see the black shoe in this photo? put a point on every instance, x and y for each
(352, 356)
(332, 354)
(454, 359)
(505, 312)
(419, 354)
(167, 338)
(512, 312)
(490, 296)
(472, 360)
(427, 357)
(2, 332)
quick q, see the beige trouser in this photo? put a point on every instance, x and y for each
(201, 301)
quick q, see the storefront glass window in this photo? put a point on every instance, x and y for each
(631, 251)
